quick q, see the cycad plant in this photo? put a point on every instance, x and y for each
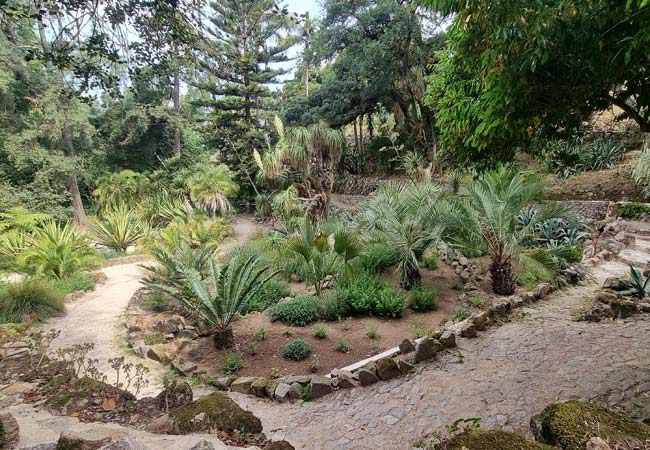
(408, 218)
(489, 212)
(120, 229)
(219, 295)
(324, 254)
(58, 250)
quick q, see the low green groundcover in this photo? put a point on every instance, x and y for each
(493, 440)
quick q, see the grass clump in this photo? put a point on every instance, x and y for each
(297, 349)
(633, 211)
(156, 301)
(32, 299)
(154, 338)
(77, 282)
(343, 345)
(430, 260)
(299, 311)
(372, 332)
(232, 362)
(423, 299)
(460, 313)
(320, 332)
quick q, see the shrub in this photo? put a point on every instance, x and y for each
(268, 296)
(461, 313)
(299, 311)
(567, 158)
(320, 332)
(633, 211)
(32, 298)
(378, 258)
(343, 345)
(120, 229)
(390, 303)
(423, 299)
(475, 301)
(77, 282)
(232, 362)
(358, 295)
(430, 260)
(332, 307)
(156, 301)
(297, 349)
(372, 332)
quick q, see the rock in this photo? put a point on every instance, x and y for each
(606, 296)
(597, 444)
(258, 387)
(126, 444)
(9, 432)
(187, 333)
(178, 394)
(483, 439)
(502, 308)
(139, 348)
(302, 379)
(203, 445)
(405, 367)
(269, 389)
(171, 325)
(644, 307)
(623, 308)
(243, 385)
(448, 339)
(516, 301)
(366, 377)
(134, 323)
(615, 284)
(161, 425)
(346, 381)
(387, 368)
(159, 353)
(218, 411)
(406, 346)
(43, 446)
(543, 289)
(529, 297)
(280, 445)
(184, 368)
(468, 331)
(222, 383)
(295, 391)
(281, 393)
(570, 425)
(320, 387)
(18, 388)
(426, 349)
(614, 246)
(73, 441)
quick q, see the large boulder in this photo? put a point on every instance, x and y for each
(320, 387)
(73, 441)
(571, 425)
(493, 440)
(387, 368)
(176, 395)
(218, 411)
(426, 349)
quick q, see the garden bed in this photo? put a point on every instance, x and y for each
(264, 357)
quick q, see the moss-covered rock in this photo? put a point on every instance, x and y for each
(570, 425)
(493, 440)
(216, 410)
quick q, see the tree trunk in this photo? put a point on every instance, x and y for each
(411, 278)
(503, 281)
(646, 141)
(177, 113)
(73, 185)
(305, 77)
(356, 137)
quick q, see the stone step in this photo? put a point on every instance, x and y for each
(642, 244)
(635, 257)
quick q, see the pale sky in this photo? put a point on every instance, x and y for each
(300, 6)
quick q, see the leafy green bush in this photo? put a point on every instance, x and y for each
(461, 313)
(33, 298)
(320, 332)
(297, 349)
(378, 258)
(268, 296)
(390, 303)
(343, 345)
(232, 362)
(121, 188)
(332, 307)
(77, 282)
(422, 299)
(633, 211)
(299, 311)
(358, 294)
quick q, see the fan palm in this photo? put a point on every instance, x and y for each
(408, 218)
(489, 211)
(219, 295)
(120, 229)
(122, 188)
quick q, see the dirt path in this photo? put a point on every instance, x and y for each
(504, 377)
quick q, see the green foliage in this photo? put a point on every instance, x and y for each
(639, 285)
(422, 299)
(372, 332)
(77, 282)
(320, 332)
(193, 230)
(32, 299)
(20, 220)
(120, 229)
(641, 171)
(154, 338)
(232, 362)
(298, 311)
(357, 295)
(343, 345)
(378, 257)
(633, 211)
(430, 260)
(58, 251)
(504, 80)
(210, 186)
(268, 296)
(262, 333)
(567, 158)
(460, 313)
(475, 301)
(390, 303)
(119, 189)
(156, 301)
(297, 349)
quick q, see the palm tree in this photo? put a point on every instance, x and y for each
(219, 295)
(408, 218)
(488, 215)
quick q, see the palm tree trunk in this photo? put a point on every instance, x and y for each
(503, 280)
(411, 278)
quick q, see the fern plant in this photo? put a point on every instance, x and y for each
(120, 229)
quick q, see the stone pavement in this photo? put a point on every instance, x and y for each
(504, 377)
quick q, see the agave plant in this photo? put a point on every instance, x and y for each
(219, 295)
(639, 285)
(58, 250)
(409, 219)
(120, 229)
